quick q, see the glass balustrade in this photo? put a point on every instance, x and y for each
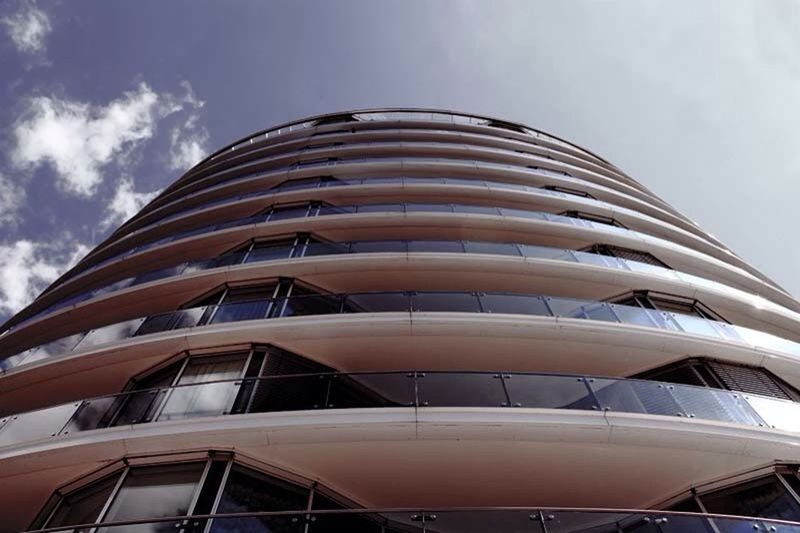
(406, 302)
(525, 250)
(304, 392)
(444, 520)
(408, 180)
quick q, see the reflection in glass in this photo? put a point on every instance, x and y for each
(152, 492)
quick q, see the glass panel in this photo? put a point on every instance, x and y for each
(156, 324)
(205, 400)
(324, 248)
(446, 301)
(765, 498)
(363, 247)
(461, 390)
(54, 348)
(313, 304)
(712, 404)
(249, 491)
(263, 524)
(380, 208)
(384, 302)
(112, 333)
(549, 392)
(544, 252)
(283, 213)
(514, 304)
(693, 324)
(234, 312)
(472, 522)
(83, 506)
(429, 208)
(92, 414)
(291, 393)
(497, 248)
(567, 307)
(371, 390)
(633, 396)
(638, 316)
(37, 424)
(269, 251)
(453, 247)
(779, 414)
(138, 407)
(476, 209)
(155, 491)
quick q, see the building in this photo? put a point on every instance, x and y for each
(364, 321)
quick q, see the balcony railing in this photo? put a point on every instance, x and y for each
(406, 302)
(318, 210)
(447, 520)
(422, 390)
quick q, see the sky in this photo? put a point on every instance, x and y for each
(103, 104)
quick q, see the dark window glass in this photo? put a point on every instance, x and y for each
(461, 390)
(305, 183)
(427, 208)
(267, 250)
(83, 506)
(683, 374)
(515, 304)
(436, 246)
(380, 208)
(688, 505)
(284, 212)
(155, 491)
(371, 390)
(314, 248)
(211, 486)
(377, 302)
(497, 248)
(250, 491)
(476, 209)
(309, 304)
(567, 190)
(446, 301)
(137, 407)
(552, 392)
(197, 396)
(237, 311)
(362, 247)
(765, 498)
(290, 393)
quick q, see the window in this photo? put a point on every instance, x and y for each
(721, 375)
(766, 497)
(506, 126)
(336, 119)
(567, 190)
(581, 215)
(212, 485)
(668, 303)
(626, 253)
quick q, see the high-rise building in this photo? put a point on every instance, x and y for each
(404, 321)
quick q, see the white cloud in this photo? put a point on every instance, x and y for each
(27, 267)
(78, 139)
(12, 196)
(28, 28)
(125, 204)
(188, 144)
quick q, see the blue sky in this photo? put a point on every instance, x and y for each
(105, 103)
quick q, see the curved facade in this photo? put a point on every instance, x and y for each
(404, 320)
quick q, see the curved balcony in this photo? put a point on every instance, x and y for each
(674, 229)
(421, 390)
(316, 209)
(446, 520)
(406, 302)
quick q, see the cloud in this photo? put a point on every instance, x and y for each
(188, 144)
(12, 196)
(78, 139)
(27, 267)
(28, 28)
(125, 204)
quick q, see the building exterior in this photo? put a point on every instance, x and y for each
(404, 320)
